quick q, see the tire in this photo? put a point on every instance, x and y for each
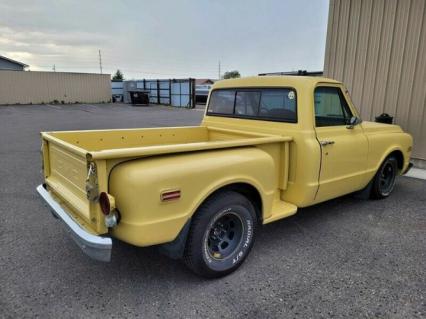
(384, 180)
(221, 235)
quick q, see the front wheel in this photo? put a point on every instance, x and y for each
(384, 181)
(221, 235)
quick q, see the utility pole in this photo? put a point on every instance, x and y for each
(219, 71)
(100, 61)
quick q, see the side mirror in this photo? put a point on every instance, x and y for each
(353, 121)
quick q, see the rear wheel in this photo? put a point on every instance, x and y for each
(221, 235)
(384, 181)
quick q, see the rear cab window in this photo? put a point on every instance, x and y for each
(222, 102)
(270, 104)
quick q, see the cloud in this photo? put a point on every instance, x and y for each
(59, 38)
(159, 38)
(43, 49)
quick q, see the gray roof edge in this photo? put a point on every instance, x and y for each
(13, 61)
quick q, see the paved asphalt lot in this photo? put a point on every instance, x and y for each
(346, 258)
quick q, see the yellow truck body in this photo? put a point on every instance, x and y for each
(278, 165)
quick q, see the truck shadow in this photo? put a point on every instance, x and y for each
(138, 263)
(330, 230)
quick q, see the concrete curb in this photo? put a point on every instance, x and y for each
(416, 173)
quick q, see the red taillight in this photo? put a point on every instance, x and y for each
(170, 195)
(104, 202)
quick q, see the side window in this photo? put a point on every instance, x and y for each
(331, 108)
(247, 103)
(222, 102)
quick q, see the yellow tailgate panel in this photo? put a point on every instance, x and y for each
(68, 178)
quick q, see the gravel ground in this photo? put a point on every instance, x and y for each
(346, 258)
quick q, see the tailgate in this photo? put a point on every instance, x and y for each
(66, 173)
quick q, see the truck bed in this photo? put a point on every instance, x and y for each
(75, 161)
(109, 144)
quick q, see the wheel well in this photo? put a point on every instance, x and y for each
(175, 249)
(247, 190)
(399, 158)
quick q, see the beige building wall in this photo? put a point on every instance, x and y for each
(378, 49)
(25, 87)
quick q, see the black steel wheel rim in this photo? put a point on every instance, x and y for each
(225, 236)
(387, 178)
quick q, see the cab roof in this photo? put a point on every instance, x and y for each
(273, 81)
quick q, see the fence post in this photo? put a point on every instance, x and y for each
(170, 92)
(192, 92)
(158, 91)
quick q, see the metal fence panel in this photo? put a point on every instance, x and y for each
(174, 92)
(117, 88)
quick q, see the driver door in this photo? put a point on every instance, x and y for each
(343, 148)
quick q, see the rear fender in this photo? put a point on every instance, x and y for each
(137, 186)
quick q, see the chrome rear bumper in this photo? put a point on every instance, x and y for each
(96, 247)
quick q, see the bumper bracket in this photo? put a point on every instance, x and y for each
(96, 247)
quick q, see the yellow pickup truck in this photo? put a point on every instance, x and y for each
(266, 146)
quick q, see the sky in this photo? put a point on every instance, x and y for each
(165, 39)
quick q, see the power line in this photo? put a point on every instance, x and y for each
(200, 74)
(175, 63)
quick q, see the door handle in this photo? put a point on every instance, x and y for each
(325, 143)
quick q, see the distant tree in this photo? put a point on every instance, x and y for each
(118, 76)
(231, 74)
